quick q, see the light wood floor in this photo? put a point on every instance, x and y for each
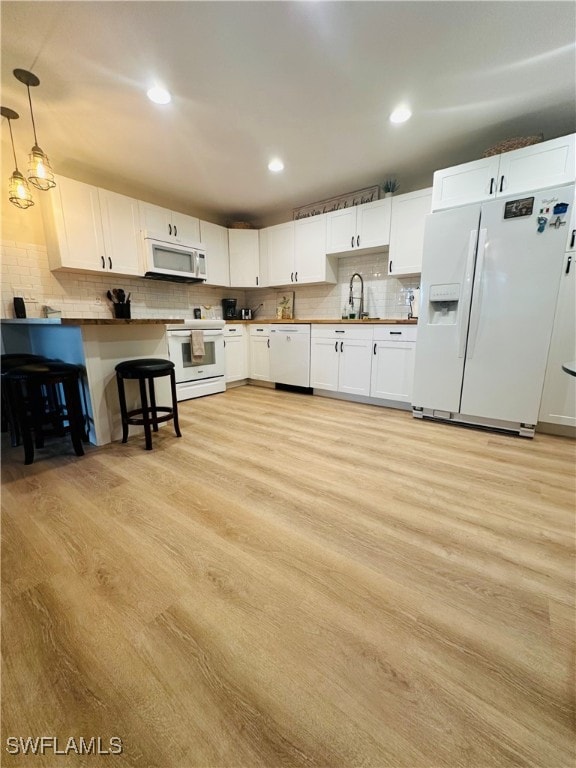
(296, 582)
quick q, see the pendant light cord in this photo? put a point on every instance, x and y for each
(32, 116)
(12, 140)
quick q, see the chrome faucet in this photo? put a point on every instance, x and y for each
(351, 296)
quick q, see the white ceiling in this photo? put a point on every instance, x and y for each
(312, 82)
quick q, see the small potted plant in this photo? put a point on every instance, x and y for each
(390, 186)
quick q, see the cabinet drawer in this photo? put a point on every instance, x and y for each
(395, 332)
(342, 332)
(233, 329)
(259, 330)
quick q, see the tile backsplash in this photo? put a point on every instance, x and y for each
(385, 297)
(25, 272)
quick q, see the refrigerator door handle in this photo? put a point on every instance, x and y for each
(466, 293)
(477, 294)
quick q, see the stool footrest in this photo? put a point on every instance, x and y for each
(150, 411)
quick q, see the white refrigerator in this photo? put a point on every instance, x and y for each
(490, 278)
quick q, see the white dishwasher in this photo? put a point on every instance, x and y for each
(290, 354)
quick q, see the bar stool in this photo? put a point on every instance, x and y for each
(46, 393)
(7, 418)
(146, 370)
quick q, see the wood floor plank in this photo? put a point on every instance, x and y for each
(298, 581)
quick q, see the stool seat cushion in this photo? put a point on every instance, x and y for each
(43, 369)
(146, 366)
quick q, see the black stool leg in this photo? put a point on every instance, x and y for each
(174, 403)
(153, 404)
(145, 414)
(74, 413)
(123, 408)
(21, 417)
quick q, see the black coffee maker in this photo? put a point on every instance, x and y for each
(229, 309)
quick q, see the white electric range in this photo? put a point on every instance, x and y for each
(197, 376)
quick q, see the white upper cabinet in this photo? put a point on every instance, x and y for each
(163, 223)
(407, 232)
(311, 264)
(214, 240)
(548, 164)
(90, 229)
(295, 252)
(244, 250)
(277, 244)
(121, 233)
(360, 227)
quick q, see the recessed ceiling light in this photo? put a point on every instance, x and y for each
(276, 165)
(400, 115)
(159, 95)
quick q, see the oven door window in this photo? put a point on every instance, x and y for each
(208, 359)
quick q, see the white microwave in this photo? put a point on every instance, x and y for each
(173, 261)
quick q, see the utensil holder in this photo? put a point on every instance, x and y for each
(122, 311)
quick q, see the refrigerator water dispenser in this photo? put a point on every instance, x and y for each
(443, 307)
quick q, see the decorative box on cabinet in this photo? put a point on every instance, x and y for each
(173, 226)
(340, 358)
(91, 230)
(407, 232)
(393, 352)
(359, 228)
(548, 164)
(244, 250)
(259, 342)
(236, 352)
(214, 239)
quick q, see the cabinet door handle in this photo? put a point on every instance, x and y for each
(491, 185)
(103, 262)
(568, 264)
(169, 229)
(358, 241)
(175, 230)
(390, 267)
(291, 277)
(375, 345)
(224, 342)
(341, 346)
(352, 242)
(110, 262)
(268, 343)
(256, 279)
(502, 183)
(295, 277)
(573, 238)
(395, 333)
(335, 346)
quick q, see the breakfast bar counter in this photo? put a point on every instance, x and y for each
(98, 345)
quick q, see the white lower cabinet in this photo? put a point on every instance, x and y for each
(393, 362)
(340, 358)
(236, 352)
(259, 343)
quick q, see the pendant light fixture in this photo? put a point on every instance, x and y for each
(18, 189)
(40, 173)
